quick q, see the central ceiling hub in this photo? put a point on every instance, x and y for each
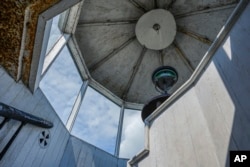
(156, 29)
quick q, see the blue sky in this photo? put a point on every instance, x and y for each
(61, 84)
(98, 117)
(97, 121)
(55, 33)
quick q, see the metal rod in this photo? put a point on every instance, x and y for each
(107, 22)
(136, 67)
(13, 113)
(138, 5)
(110, 55)
(205, 10)
(183, 57)
(194, 35)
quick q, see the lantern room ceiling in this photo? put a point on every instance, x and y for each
(106, 36)
(117, 60)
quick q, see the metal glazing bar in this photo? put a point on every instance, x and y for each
(68, 21)
(76, 106)
(119, 132)
(53, 53)
(39, 52)
(78, 57)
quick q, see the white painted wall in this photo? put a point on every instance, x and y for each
(212, 117)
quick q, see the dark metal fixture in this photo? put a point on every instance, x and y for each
(163, 78)
(12, 113)
(44, 138)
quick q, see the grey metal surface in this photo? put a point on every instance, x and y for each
(106, 31)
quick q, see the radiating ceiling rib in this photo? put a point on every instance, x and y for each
(161, 57)
(205, 9)
(138, 5)
(155, 4)
(107, 22)
(170, 4)
(110, 55)
(135, 69)
(194, 35)
(183, 57)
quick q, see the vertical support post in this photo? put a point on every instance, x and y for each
(119, 132)
(76, 106)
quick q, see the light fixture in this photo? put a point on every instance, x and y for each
(163, 78)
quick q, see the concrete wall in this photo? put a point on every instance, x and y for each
(212, 117)
(62, 150)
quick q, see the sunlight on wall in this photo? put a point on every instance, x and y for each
(227, 48)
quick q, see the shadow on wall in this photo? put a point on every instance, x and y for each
(80, 153)
(232, 62)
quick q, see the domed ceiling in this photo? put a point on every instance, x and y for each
(116, 58)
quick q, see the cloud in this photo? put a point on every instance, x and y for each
(55, 33)
(97, 121)
(132, 135)
(61, 84)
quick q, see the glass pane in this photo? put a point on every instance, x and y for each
(55, 33)
(97, 121)
(61, 84)
(132, 134)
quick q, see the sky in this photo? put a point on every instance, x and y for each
(55, 33)
(132, 134)
(61, 84)
(98, 117)
(97, 121)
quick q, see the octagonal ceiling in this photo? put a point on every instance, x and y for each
(115, 58)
